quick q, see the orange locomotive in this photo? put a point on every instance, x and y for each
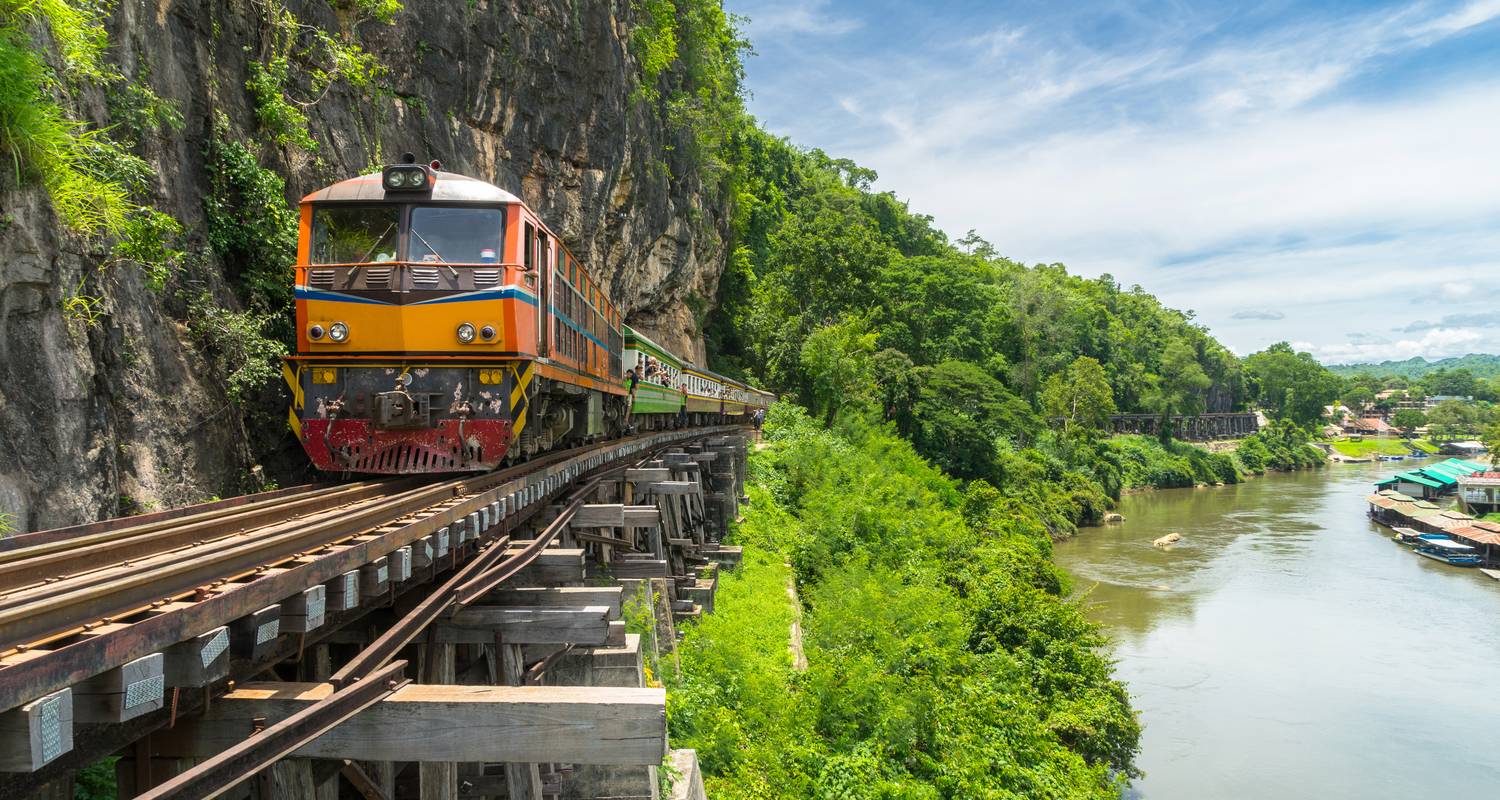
(442, 327)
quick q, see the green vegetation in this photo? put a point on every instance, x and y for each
(1282, 446)
(94, 181)
(1408, 420)
(688, 53)
(942, 658)
(309, 60)
(237, 345)
(1291, 385)
(1416, 367)
(1148, 462)
(1366, 448)
(250, 226)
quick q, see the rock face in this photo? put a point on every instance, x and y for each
(121, 413)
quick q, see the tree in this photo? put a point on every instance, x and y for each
(1079, 396)
(1180, 386)
(1291, 385)
(1450, 419)
(896, 382)
(961, 412)
(1358, 398)
(1408, 420)
(1454, 382)
(1492, 441)
(836, 362)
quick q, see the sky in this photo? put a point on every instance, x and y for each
(1324, 173)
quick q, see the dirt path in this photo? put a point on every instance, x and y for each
(799, 659)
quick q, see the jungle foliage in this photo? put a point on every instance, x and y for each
(942, 658)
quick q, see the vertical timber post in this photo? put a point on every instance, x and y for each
(439, 779)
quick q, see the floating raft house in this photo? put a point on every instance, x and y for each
(1432, 480)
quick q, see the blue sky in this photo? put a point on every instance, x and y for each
(1326, 173)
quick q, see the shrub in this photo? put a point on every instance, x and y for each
(942, 658)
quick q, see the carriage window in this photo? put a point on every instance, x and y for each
(455, 235)
(354, 234)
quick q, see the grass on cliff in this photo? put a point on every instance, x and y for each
(942, 658)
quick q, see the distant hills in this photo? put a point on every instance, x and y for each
(1482, 365)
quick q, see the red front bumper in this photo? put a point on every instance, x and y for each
(355, 445)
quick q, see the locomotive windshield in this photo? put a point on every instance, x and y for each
(454, 235)
(355, 234)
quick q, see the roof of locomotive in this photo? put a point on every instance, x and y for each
(450, 187)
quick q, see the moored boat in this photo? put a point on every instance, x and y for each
(1412, 536)
(1449, 552)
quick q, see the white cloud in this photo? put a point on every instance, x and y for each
(804, 18)
(1439, 343)
(1470, 16)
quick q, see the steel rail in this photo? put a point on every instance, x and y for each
(53, 608)
(21, 540)
(327, 518)
(88, 553)
(223, 772)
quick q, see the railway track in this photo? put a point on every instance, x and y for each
(90, 601)
(63, 586)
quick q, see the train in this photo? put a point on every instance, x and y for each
(443, 327)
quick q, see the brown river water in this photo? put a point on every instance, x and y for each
(1287, 648)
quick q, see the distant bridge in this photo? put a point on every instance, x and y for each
(1195, 428)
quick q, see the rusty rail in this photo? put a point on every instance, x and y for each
(221, 773)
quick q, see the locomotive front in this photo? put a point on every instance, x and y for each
(417, 323)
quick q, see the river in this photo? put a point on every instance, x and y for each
(1286, 648)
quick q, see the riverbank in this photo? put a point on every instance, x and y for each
(1278, 649)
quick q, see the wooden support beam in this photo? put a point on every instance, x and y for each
(639, 475)
(524, 724)
(375, 578)
(675, 487)
(599, 515)
(642, 516)
(581, 625)
(687, 778)
(123, 693)
(542, 575)
(304, 612)
(254, 636)
(198, 661)
(400, 561)
(607, 541)
(552, 597)
(438, 780)
(640, 568)
(551, 556)
(343, 592)
(362, 782)
(424, 552)
(554, 567)
(35, 734)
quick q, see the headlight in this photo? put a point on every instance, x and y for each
(338, 332)
(315, 332)
(404, 177)
(487, 333)
(466, 333)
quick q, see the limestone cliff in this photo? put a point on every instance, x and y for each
(100, 417)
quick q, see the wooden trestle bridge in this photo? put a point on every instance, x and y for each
(403, 638)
